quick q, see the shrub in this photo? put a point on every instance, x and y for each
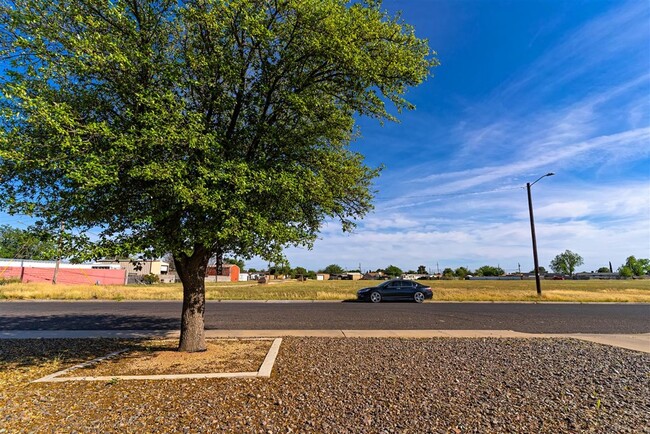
(150, 279)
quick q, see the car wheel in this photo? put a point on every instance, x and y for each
(375, 297)
(418, 297)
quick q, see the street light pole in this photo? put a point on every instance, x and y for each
(532, 232)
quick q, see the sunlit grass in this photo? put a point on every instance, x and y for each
(47, 291)
(453, 290)
(552, 290)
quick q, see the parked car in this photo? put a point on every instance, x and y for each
(396, 289)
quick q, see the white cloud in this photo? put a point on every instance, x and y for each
(607, 223)
(469, 206)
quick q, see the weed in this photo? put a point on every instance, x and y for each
(598, 404)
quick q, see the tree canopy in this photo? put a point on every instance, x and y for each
(566, 262)
(16, 243)
(461, 272)
(393, 271)
(489, 270)
(634, 267)
(235, 261)
(199, 127)
(333, 269)
(447, 274)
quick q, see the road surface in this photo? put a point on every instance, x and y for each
(165, 315)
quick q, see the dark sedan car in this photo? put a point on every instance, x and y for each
(397, 289)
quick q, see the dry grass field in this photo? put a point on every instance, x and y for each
(443, 290)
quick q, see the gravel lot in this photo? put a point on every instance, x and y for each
(345, 386)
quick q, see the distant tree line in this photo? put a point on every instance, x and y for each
(36, 244)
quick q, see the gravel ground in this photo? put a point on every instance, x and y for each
(345, 386)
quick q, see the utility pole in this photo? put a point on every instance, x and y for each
(58, 256)
(532, 233)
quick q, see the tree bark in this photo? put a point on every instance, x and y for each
(192, 270)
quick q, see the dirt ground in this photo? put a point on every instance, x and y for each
(351, 385)
(161, 357)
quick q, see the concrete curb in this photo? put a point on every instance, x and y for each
(264, 371)
(635, 342)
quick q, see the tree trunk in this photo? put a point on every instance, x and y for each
(191, 270)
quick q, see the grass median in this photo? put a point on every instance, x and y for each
(632, 291)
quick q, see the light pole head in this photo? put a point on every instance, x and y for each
(530, 184)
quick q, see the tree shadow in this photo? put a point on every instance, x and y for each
(37, 353)
(88, 322)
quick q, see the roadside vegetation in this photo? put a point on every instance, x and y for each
(443, 290)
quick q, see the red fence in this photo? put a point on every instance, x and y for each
(70, 276)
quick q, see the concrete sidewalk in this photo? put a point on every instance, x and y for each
(636, 342)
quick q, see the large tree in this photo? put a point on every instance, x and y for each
(197, 127)
(566, 262)
(333, 269)
(634, 267)
(489, 271)
(393, 271)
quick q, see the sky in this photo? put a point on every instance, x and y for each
(524, 88)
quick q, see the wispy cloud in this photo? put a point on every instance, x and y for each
(551, 140)
(617, 33)
(581, 109)
(602, 223)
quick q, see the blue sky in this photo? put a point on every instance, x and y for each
(524, 88)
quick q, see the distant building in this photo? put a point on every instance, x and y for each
(510, 277)
(372, 275)
(244, 277)
(138, 268)
(68, 274)
(597, 276)
(345, 276)
(229, 273)
(353, 275)
(416, 276)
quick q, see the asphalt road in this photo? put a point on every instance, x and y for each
(165, 315)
